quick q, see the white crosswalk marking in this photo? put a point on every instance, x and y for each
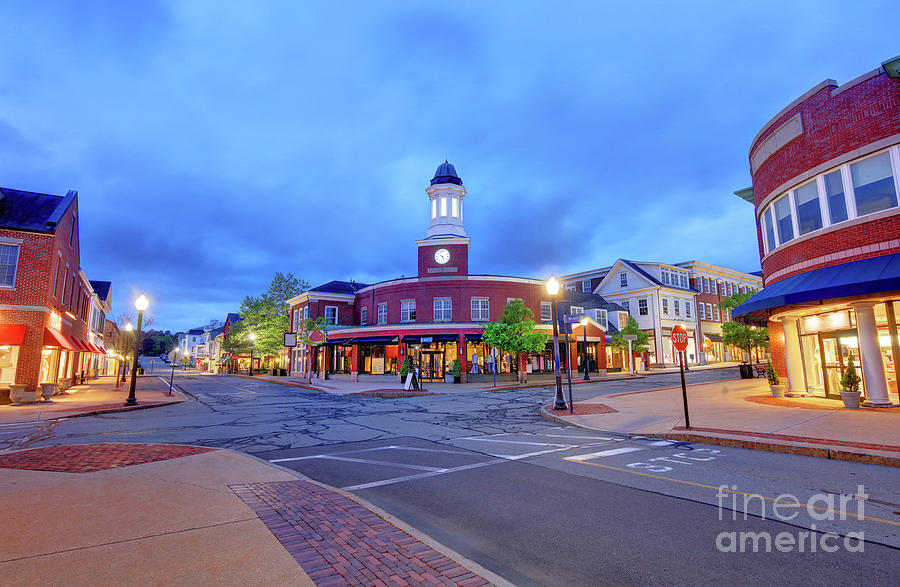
(603, 453)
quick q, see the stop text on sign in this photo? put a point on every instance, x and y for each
(679, 338)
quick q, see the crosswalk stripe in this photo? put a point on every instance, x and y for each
(603, 453)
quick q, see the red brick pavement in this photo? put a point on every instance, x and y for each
(87, 458)
(582, 409)
(339, 542)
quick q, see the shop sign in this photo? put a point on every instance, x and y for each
(427, 339)
(290, 339)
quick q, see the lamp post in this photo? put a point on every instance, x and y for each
(252, 337)
(140, 304)
(584, 323)
(128, 328)
(552, 285)
(172, 376)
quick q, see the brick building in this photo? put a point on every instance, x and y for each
(826, 177)
(437, 316)
(45, 298)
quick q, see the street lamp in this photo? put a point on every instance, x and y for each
(140, 304)
(584, 323)
(252, 337)
(552, 285)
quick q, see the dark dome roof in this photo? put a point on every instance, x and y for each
(446, 173)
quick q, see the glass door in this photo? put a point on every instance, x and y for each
(433, 366)
(838, 348)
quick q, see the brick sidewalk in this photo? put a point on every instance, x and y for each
(339, 542)
(88, 458)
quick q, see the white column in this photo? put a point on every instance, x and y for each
(870, 354)
(796, 381)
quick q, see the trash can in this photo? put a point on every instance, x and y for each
(746, 370)
(140, 370)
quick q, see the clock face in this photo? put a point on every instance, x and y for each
(442, 256)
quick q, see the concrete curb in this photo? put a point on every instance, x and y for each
(553, 383)
(286, 383)
(822, 452)
(390, 518)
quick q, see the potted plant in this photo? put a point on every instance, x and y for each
(405, 368)
(456, 370)
(776, 389)
(850, 381)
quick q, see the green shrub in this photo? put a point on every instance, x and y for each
(771, 375)
(850, 380)
(457, 368)
(406, 367)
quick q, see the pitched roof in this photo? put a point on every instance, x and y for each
(101, 288)
(655, 281)
(339, 287)
(23, 210)
(589, 301)
(232, 317)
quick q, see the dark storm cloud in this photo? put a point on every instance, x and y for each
(213, 144)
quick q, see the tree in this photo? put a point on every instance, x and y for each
(515, 333)
(740, 336)
(312, 334)
(639, 346)
(266, 316)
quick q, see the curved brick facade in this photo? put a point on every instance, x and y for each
(836, 125)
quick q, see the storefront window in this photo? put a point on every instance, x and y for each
(809, 216)
(9, 356)
(783, 219)
(834, 190)
(873, 184)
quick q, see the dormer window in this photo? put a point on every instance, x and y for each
(623, 280)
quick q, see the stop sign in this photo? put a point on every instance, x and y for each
(679, 338)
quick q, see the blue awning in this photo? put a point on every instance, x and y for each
(856, 278)
(375, 339)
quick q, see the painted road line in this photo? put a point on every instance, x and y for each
(603, 453)
(664, 443)
(479, 439)
(420, 476)
(525, 456)
(361, 461)
(588, 437)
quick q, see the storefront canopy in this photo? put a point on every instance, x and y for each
(473, 337)
(713, 337)
(54, 338)
(417, 338)
(13, 334)
(375, 340)
(856, 278)
(344, 340)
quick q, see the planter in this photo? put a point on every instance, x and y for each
(746, 370)
(19, 396)
(47, 391)
(777, 390)
(456, 378)
(851, 399)
(64, 383)
(4, 396)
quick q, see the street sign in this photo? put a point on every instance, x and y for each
(290, 339)
(679, 338)
(572, 318)
(630, 337)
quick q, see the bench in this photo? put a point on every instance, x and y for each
(761, 370)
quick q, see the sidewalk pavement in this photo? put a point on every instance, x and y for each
(709, 367)
(99, 396)
(743, 413)
(120, 514)
(389, 386)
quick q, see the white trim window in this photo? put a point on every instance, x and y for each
(408, 311)
(643, 308)
(363, 315)
(665, 306)
(481, 309)
(687, 309)
(382, 313)
(714, 285)
(570, 287)
(306, 312)
(677, 305)
(716, 310)
(443, 309)
(586, 285)
(9, 260)
(706, 284)
(602, 317)
(623, 279)
(331, 314)
(546, 311)
(575, 310)
(702, 308)
(627, 305)
(709, 312)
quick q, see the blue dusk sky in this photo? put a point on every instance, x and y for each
(215, 143)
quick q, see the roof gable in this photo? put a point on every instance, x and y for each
(21, 210)
(637, 278)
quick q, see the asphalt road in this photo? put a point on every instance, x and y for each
(536, 502)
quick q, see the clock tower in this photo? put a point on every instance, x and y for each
(445, 249)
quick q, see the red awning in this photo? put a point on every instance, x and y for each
(82, 346)
(93, 348)
(54, 338)
(12, 334)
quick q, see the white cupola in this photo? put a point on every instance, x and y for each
(445, 207)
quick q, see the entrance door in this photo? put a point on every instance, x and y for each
(433, 366)
(837, 349)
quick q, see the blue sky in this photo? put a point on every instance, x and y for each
(214, 143)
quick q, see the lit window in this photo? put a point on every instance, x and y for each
(443, 310)
(642, 307)
(623, 279)
(480, 309)
(809, 215)
(834, 191)
(454, 207)
(783, 219)
(687, 309)
(443, 206)
(433, 209)
(677, 308)
(873, 184)
(665, 306)
(382, 313)
(408, 311)
(331, 315)
(546, 312)
(9, 260)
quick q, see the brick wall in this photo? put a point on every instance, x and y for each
(459, 258)
(777, 350)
